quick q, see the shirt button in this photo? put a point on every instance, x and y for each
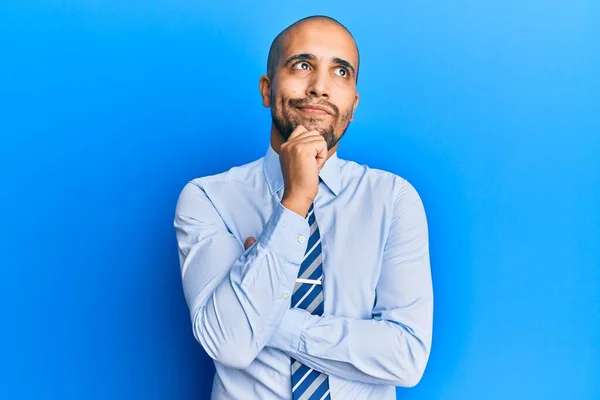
(301, 239)
(285, 295)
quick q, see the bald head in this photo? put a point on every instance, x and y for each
(278, 43)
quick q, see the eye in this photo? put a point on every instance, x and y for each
(343, 72)
(303, 65)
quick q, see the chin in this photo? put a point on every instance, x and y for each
(316, 124)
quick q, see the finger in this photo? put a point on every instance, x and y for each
(306, 136)
(318, 144)
(297, 131)
(249, 242)
(322, 153)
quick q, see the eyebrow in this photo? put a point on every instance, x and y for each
(300, 57)
(345, 64)
(311, 57)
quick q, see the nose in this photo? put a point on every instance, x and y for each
(318, 85)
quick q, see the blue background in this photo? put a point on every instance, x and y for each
(490, 108)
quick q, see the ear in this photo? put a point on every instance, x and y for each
(355, 105)
(264, 85)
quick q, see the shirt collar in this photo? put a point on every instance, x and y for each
(330, 173)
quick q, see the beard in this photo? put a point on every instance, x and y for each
(286, 121)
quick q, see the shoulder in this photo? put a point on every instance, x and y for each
(245, 174)
(375, 177)
(238, 180)
(393, 188)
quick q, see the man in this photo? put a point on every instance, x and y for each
(307, 276)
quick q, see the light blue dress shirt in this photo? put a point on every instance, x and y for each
(376, 329)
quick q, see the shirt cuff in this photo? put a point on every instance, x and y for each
(286, 233)
(287, 335)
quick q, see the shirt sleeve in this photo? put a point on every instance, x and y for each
(393, 346)
(236, 297)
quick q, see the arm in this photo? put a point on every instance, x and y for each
(235, 295)
(392, 347)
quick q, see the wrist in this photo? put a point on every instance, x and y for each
(298, 205)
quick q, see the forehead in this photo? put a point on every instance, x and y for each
(324, 39)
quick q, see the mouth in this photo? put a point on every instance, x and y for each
(315, 110)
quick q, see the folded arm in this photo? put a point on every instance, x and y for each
(236, 297)
(393, 347)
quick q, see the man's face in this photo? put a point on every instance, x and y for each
(314, 82)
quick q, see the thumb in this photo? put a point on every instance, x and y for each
(322, 155)
(249, 242)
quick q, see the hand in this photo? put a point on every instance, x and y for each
(302, 156)
(249, 242)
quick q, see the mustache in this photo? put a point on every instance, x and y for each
(308, 102)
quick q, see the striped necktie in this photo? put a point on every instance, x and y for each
(308, 384)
